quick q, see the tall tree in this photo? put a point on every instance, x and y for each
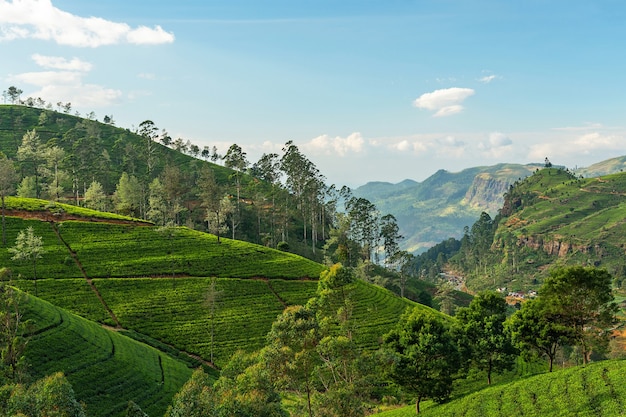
(482, 323)
(8, 180)
(291, 352)
(582, 300)
(425, 356)
(149, 131)
(28, 247)
(364, 224)
(390, 234)
(211, 196)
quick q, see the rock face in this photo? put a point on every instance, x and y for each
(558, 248)
(486, 192)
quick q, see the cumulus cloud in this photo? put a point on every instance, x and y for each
(39, 19)
(497, 145)
(339, 146)
(55, 62)
(67, 83)
(444, 102)
(586, 144)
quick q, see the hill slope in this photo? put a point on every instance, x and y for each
(596, 390)
(442, 205)
(552, 218)
(105, 369)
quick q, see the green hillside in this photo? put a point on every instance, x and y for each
(106, 369)
(107, 249)
(596, 390)
(175, 312)
(442, 205)
(551, 218)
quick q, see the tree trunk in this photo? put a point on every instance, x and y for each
(4, 233)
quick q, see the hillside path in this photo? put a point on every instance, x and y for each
(82, 270)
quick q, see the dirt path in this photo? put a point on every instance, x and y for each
(82, 270)
(61, 217)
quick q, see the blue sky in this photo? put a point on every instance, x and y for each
(369, 90)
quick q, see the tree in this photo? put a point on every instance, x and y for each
(291, 352)
(133, 410)
(211, 196)
(148, 130)
(32, 151)
(425, 356)
(581, 299)
(128, 196)
(8, 179)
(13, 93)
(390, 234)
(482, 323)
(12, 330)
(444, 296)
(195, 398)
(95, 198)
(156, 201)
(535, 330)
(28, 247)
(364, 224)
(52, 395)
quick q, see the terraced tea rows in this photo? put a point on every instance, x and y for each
(106, 369)
(121, 251)
(596, 390)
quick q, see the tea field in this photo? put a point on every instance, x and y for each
(106, 369)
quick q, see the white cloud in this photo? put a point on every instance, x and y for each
(495, 140)
(487, 78)
(446, 101)
(339, 146)
(67, 84)
(39, 19)
(497, 145)
(60, 63)
(587, 144)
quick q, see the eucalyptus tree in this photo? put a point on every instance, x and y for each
(365, 223)
(8, 179)
(306, 184)
(211, 195)
(267, 169)
(149, 132)
(95, 197)
(390, 235)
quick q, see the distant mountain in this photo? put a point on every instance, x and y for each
(441, 206)
(610, 166)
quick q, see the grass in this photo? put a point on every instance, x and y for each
(106, 369)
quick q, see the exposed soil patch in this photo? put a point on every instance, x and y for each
(60, 217)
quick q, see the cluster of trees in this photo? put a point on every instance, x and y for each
(279, 198)
(311, 354)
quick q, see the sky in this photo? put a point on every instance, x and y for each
(369, 90)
